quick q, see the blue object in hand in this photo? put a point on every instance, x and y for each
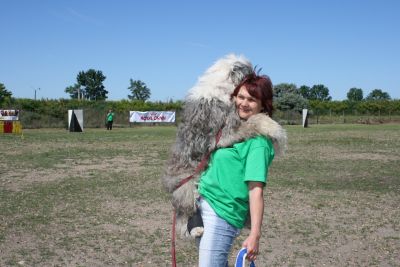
(241, 259)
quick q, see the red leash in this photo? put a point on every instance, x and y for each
(173, 240)
(182, 182)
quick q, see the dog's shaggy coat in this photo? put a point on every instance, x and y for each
(209, 108)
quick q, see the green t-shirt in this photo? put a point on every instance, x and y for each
(110, 116)
(224, 183)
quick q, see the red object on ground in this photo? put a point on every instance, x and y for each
(8, 126)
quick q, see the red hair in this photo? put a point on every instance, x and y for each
(260, 87)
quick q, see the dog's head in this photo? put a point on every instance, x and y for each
(219, 81)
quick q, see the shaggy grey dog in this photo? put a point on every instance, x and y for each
(208, 108)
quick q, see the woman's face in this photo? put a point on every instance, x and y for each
(246, 104)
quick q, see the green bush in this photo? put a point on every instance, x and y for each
(54, 113)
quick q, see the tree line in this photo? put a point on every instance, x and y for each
(89, 86)
(287, 96)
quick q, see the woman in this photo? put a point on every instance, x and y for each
(232, 185)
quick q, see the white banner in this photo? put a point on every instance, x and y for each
(9, 114)
(152, 116)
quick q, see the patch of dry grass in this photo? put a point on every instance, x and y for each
(95, 199)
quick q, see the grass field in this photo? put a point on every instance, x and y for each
(95, 199)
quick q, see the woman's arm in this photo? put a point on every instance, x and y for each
(256, 200)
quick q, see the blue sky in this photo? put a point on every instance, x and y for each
(169, 44)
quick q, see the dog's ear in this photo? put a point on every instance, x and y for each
(238, 71)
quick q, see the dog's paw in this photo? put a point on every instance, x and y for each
(197, 231)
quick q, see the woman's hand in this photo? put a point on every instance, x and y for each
(251, 244)
(256, 200)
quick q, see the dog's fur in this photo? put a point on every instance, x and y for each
(209, 108)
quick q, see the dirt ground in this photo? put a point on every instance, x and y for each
(119, 216)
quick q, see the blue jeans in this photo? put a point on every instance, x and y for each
(217, 239)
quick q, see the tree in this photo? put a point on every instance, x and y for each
(378, 94)
(139, 90)
(291, 101)
(355, 94)
(92, 83)
(75, 91)
(284, 88)
(5, 95)
(305, 91)
(319, 92)
(287, 97)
